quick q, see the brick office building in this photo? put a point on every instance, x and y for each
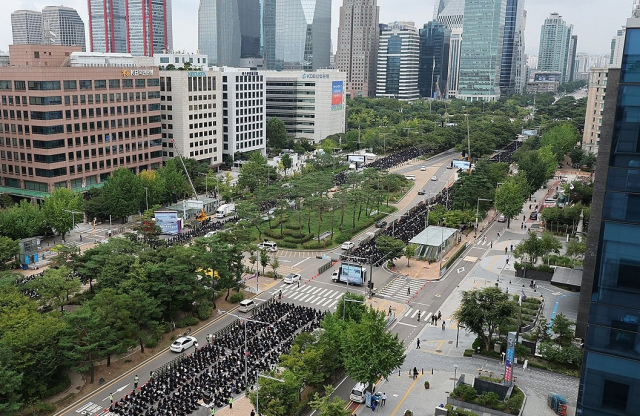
(71, 126)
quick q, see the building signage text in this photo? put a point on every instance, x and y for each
(197, 73)
(315, 76)
(137, 72)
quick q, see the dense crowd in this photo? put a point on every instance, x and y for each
(186, 236)
(412, 223)
(215, 372)
(506, 154)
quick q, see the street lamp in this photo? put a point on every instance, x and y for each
(344, 305)
(146, 197)
(246, 378)
(73, 216)
(206, 182)
(258, 388)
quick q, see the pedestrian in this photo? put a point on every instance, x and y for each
(511, 247)
(230, 402)
(389, 310)
(419, 313)
(529, 204)
(111, 397)
(298, 283)
(525, 365)
(135, 381)
(415, 373)
(492, 244)
(524, 218)
(81, 238)
(418, 343)
(408, 291)
(443, 325)
(213, 410)
(384, 399)
(253, 413)
(280, 294)
(505, 250)
(439, 315)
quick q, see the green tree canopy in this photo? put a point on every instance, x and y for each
(9, 249)
(122, 193)
(276, 133)
(484, 311)
(56, 210)
(392, 247)
(510, 197)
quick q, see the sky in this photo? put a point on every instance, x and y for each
(595, 21)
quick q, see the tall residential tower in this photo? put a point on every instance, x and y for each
(557, 47)
(26, 26)
(358, 46)
(139, 27)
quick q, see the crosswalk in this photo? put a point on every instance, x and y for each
(313, 295)
(402, 288)
(413, 314)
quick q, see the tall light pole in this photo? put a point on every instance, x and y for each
(246, 378)
(344, 303)
(478, 209)
(258, 388)
(146, 197)
(455, 374)
(206, 182)
(73, 216)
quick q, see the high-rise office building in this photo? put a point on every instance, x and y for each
(450, 13)
(481, 52)
(453, 75)
(357, 51)
(297, 34)
(595, 110)
(434, 59)
(139, 27)
(229, 30)
(26, 26)
(399, 61)
(62, 26)
(512, 67)
(609, 307)
(557, 47)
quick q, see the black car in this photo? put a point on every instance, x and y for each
(381, 224)
(533, 215)
(421, 192)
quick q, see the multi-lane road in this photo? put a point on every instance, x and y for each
(319, 292)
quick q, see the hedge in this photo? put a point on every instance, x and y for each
(236, 297)
(299, 240)
(314, 245)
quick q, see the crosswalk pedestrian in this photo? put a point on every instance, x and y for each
(402, 288)
(314, 295)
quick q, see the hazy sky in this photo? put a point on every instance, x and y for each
(595, 21)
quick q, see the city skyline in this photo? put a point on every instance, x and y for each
(593, 38)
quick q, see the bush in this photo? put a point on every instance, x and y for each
(150, 342)
(273, 234)
(342, 236)
(465, 392)
(187, 321)
(294, 227)
(59, 384)
(303, 238)
(204, 311)
(468, 353)
(314, 245)
(39, 408)
(285, 244)
(459, 411)
(514, 403)
(236, 297)
(488, 399)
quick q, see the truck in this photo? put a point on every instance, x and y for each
(350, 273)
(225, 210)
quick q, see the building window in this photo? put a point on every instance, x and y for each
(85, 84)
(615, 395)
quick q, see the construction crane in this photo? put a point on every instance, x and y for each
(201, 216)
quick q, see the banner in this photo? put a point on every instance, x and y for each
(337, 91)
(351, 273)
(168, 222)
(508, 362)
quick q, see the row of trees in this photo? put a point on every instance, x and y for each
(354, 338)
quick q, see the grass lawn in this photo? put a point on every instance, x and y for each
(293, 230)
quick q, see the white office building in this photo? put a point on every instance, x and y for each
(243, 111)
(178, 59)
(26, 26)
(311, 104)
(191, 116)
(398, 62)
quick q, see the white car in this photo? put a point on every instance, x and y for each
(291, 278)
(183, 343)
(434, 178)
(423, 168)
(335, 274)
(347, 245)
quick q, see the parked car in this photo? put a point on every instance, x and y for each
(422, 192)
(268, 245)
(533, 215)
(347, 245)
(381, 224)
(334, 275)
(423, 168)
(183, 343)
(501, 218)
(291, 278)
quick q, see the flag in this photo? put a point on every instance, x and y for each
(521, 298)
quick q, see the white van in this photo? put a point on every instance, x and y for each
(246, 305)
(357, 393)
(410, 177)
(268, 245)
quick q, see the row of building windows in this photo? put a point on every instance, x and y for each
(84, 84)
(85, 127)
(86, 141)
(79, 99)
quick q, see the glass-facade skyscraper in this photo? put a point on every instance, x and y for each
(229, 30)
(297, 34)
(556, 44)
(481, 50)
(512, 67)
(609, 309)
(434, 59)
(398, 61)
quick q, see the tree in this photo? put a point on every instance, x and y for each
(355, 307)
(10, 383)
(264, 259)
(23, 220)
(82, 339)
(534, 169)
(509, 198)
(561, 138)
(373, 352)
(276, 133)
(562, 328)
(275, 263)
(392, 247)
(276, 398)
(409, 251)
(306, 360)
(576, 249)
(122, 193)
(56, 210)
(484, 311)
(9, 249)
(113, 313)
(286, 162)
(144, 313)
(55, 286)
(327, 407)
